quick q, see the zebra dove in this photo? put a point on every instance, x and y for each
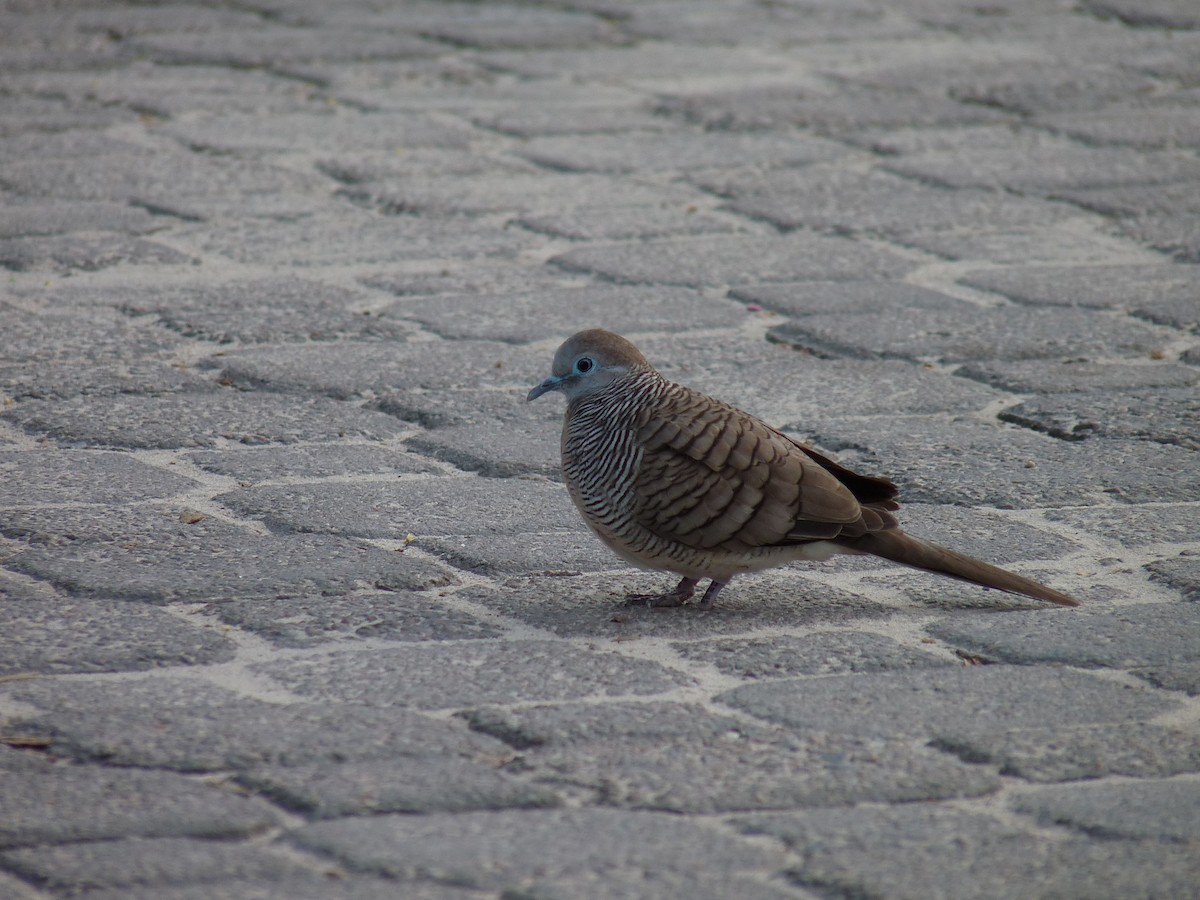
(674, 480)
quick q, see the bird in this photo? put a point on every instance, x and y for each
(673, 480)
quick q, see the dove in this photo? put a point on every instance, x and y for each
(676, 481)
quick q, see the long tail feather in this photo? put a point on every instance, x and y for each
(903, 548)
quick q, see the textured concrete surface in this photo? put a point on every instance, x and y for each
(293, 603)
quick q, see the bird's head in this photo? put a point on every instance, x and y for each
(588, 361)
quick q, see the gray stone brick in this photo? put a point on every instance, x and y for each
(846, 110)
(367, 239)
(1025, 161)
(325, 130)
(639, 62)
(468, 276)
(198, 420)
(1157, 14)
(971, 334)
(1163, 216)
(922, 851)
(498, 850)
(1074, 376)
(1181, 677)
(332, 884)
(506, 27)
(693, 762)
(191, 726)
(478, 507)
(1132, 526)
(845, 297)
(409, 785)
(1120, 638)
(148, 554)
(471, 673)
(478, 448)
(537, 315)
(557, 554)
(1181, 573)
(60, 332)
(87, 253)
(1165, 415)
(623, 223)
(1036, 88)
(261, 310)
(1052, 754)
(1081, 241)
(1161, 127)
(89, 803)
(823, 653)
(39, 477)
(735, 260)
(966, 463)
(947, 703)
(729, 23)
(594, 605)
(558, 115)
(313, 461)
(857, 200)
(59, 379)
(278, 45)
(512, 193)
(61, 636)
(625, 884)
(25, 218)
(1161, 808)
(677, 151)
(313, 619)
(73, 869)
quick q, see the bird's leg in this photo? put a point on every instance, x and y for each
(714, 588)
(680, 595)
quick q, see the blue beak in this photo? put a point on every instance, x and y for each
(552, 383)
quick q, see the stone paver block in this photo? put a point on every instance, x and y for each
(1165, 415)
(346, 369)
(844, 297)
(260, 310)
(329, 129)
(1118, 638)
(198, 420)
(331, 460)
(496, 850)
(1164, 808)
(87, 803)
(946, 703)
(313, 619)
(332, 884)
(594, 605)
(1133, 526)
(61, 332)
(478, 448)
(823, 653)
(1162, 216)
(409, 785)
(624, 223)
(87, 253)
(967, 335)
(1181, 573)
(148, 554)
(24, 218)
(690, 761)
(474, 672)
(279, 45)
(1071, 376)
(539, 315)
(1053, 754)
(974, 464)
(61, 636)
(1180, 677)
(38, 478)
(735, 260)
(1151, 128)
(1081, 241)
(479, 507)
(74, 869)
(189, 726)
(871, 201)
(367, 239)
(921, 851)
(677, 151)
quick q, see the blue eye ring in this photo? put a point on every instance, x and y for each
(584, 364)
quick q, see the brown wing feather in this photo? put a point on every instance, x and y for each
(713, 477)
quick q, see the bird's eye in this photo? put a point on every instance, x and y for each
(584, 365)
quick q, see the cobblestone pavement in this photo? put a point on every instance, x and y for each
(292, 599)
